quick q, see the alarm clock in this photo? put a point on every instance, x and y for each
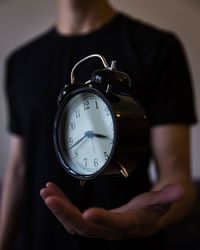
(99, 128)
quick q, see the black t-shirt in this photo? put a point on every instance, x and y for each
(37, 71)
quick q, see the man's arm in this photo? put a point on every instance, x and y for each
(171, 150)
(12, 193)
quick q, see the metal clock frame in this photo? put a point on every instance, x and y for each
(66, 164)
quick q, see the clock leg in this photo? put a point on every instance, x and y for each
(123, 170)
(82, 183)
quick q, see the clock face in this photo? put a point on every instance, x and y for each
(86, 133)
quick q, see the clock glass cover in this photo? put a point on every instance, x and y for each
(85, 133)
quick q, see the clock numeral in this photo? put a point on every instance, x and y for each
(72, 125)
(76, 153)
(96, 163)
(96, 105)
(107, 111)
(69, 141)
(85, 162)
(106, 155)
(77, 112)
(86, 105)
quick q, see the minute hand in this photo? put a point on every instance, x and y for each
(77, 142)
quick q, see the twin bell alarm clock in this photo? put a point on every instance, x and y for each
(99, 128)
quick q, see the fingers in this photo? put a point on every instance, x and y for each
(73, 220)
(52, 189)
(59, 204)
(66, 213)
(69, 215)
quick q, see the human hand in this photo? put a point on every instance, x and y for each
(140, 217)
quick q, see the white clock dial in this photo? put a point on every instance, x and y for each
(88, 130)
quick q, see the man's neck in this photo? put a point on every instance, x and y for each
(77, 17)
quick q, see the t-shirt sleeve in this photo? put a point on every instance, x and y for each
(11, 90)
(172, 97)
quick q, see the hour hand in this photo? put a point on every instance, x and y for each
(91, 134)
(100, 135)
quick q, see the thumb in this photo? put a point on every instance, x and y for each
(165, 197)
(157, 201)
(169, 193)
